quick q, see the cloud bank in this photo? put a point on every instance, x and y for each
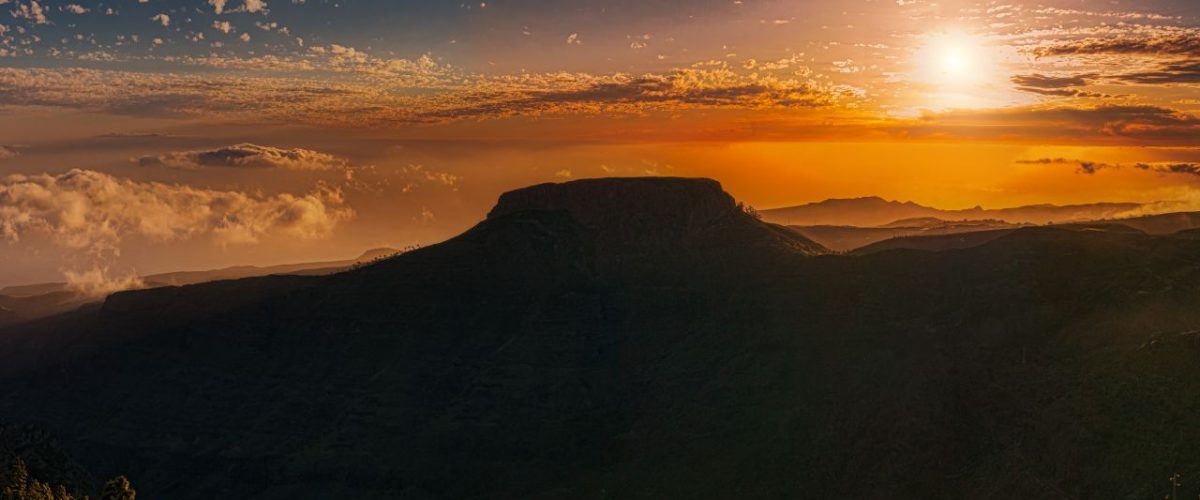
(91, 211)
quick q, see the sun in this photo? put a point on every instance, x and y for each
(955, 69)
(952, 59)
(955, 63)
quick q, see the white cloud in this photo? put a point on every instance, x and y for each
(32, 11)
(97, 282)
(93, 212)
(254, 5)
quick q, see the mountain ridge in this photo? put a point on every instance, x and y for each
(31, 302)
(876, 211)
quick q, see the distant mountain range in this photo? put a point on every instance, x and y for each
(26, 302)
(846, 238)
(645, 338)
(874, 211)
(919, 232)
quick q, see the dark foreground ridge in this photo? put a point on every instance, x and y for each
(642, 339)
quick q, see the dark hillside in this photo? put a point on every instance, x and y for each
(644, 339)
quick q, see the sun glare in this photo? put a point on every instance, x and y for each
(956, 63)
(956, 70)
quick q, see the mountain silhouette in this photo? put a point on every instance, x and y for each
(875, 211)
(917, 232)
(847, 238)
(641, 338)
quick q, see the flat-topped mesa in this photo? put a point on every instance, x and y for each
(646, 216)
(597, 203)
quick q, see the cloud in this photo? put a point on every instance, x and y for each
(1129, 122)
(1064, 92)
(690, 88)
(254, 6)
(31, 11)
(247, 156)
(1053, 82)
(1170, 168)
(97, 282)
(1084, 167)
(1091, 167)
(399, 92)
(1163, 41)
(1181, 72)
(8, 153)
(93, 212)
(415, 175)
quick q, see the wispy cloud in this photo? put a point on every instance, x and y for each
(1092, 167)
(246, 156)
(8, 152)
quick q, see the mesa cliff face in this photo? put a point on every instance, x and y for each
(633, 219)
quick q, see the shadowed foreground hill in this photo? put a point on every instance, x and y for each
(30, 302)
(642, 339)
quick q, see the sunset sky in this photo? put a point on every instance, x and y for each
(141, 136)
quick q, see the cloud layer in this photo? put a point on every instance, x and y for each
(91, 211)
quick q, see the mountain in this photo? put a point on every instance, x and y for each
(847, 238)
(875, 211)
(1161, 224)
(237, 272)
(42, 305)
(1177, 225)
(647, 216)
(29, 302)
(842, 238)
(933, 243)
(642, 339)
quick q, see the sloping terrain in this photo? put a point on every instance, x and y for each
(847, 238)
(1162, 224)
(29, 302)
(643, 339)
